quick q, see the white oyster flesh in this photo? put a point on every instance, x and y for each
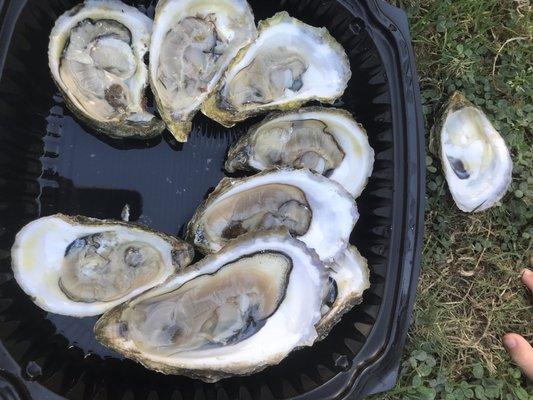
(325, 140)
(226, 314)
(349, 278)
(82, 267)
(289, 64)
(475, 158)
(96, 57)
(192, 44)
(316, 210)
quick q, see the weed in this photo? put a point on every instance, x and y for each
(427, 381)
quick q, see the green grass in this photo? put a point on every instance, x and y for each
(469, 293)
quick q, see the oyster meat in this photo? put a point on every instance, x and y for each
(325, 140)
(96, 57)
(349, 278)
(192, 44)
(226, 314)
(317, 210)
(475, 159)
(81, 266)
(289, 64)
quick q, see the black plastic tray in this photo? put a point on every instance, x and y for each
(50, 163)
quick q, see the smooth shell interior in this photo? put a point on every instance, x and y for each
(271, 269)
(39, 264)
(192, 44)
(96, 57)
(476, 159)
(326, 140)
(351, 277)
(260, 208)
(290, 63)
(212, 310)
(331, 208)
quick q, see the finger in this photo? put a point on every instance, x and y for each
(521, 352)
(527, 278)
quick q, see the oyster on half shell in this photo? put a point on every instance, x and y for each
(349, 277)
(475, 158)
(316, 210)
(233, 313)
(192, 44)
(96, 57)
(289, 64)
(81, 266)
(325, 140)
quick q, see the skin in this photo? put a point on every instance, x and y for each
(518, 348)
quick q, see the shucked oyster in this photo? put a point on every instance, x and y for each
(233, 313)
(349, 278)
(192, 44)
(313, 208)
(82, 266)
(476, 161)
(289, 64)
(325, 140)
(96, 56)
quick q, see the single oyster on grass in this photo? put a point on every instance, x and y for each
(192, 44)
(325, 140)
(233, 313)
(96, 57)
(81, 266)
(475, 159)
(316, 210)
(289, 64)
(349, 278)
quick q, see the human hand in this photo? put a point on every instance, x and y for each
(518, 348)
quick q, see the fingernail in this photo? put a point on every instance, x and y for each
(509, 342)
(526, 272)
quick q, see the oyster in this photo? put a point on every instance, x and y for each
(82, 266)
(96, 57)
(192, 44)
(325, 140)
(226, 314)
(349, 278)
(290, 63)
(475, 159)
(313, 208)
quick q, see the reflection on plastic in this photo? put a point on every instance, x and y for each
(11, 388)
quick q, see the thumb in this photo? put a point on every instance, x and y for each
(527, 278)
(521, 352)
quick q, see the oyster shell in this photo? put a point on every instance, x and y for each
(289, 64)
(349, 278)
(325, 140)
(192, 44)
(313, 208)
(224, 315)
(96, 57)
(81, 266)
(475, 159)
